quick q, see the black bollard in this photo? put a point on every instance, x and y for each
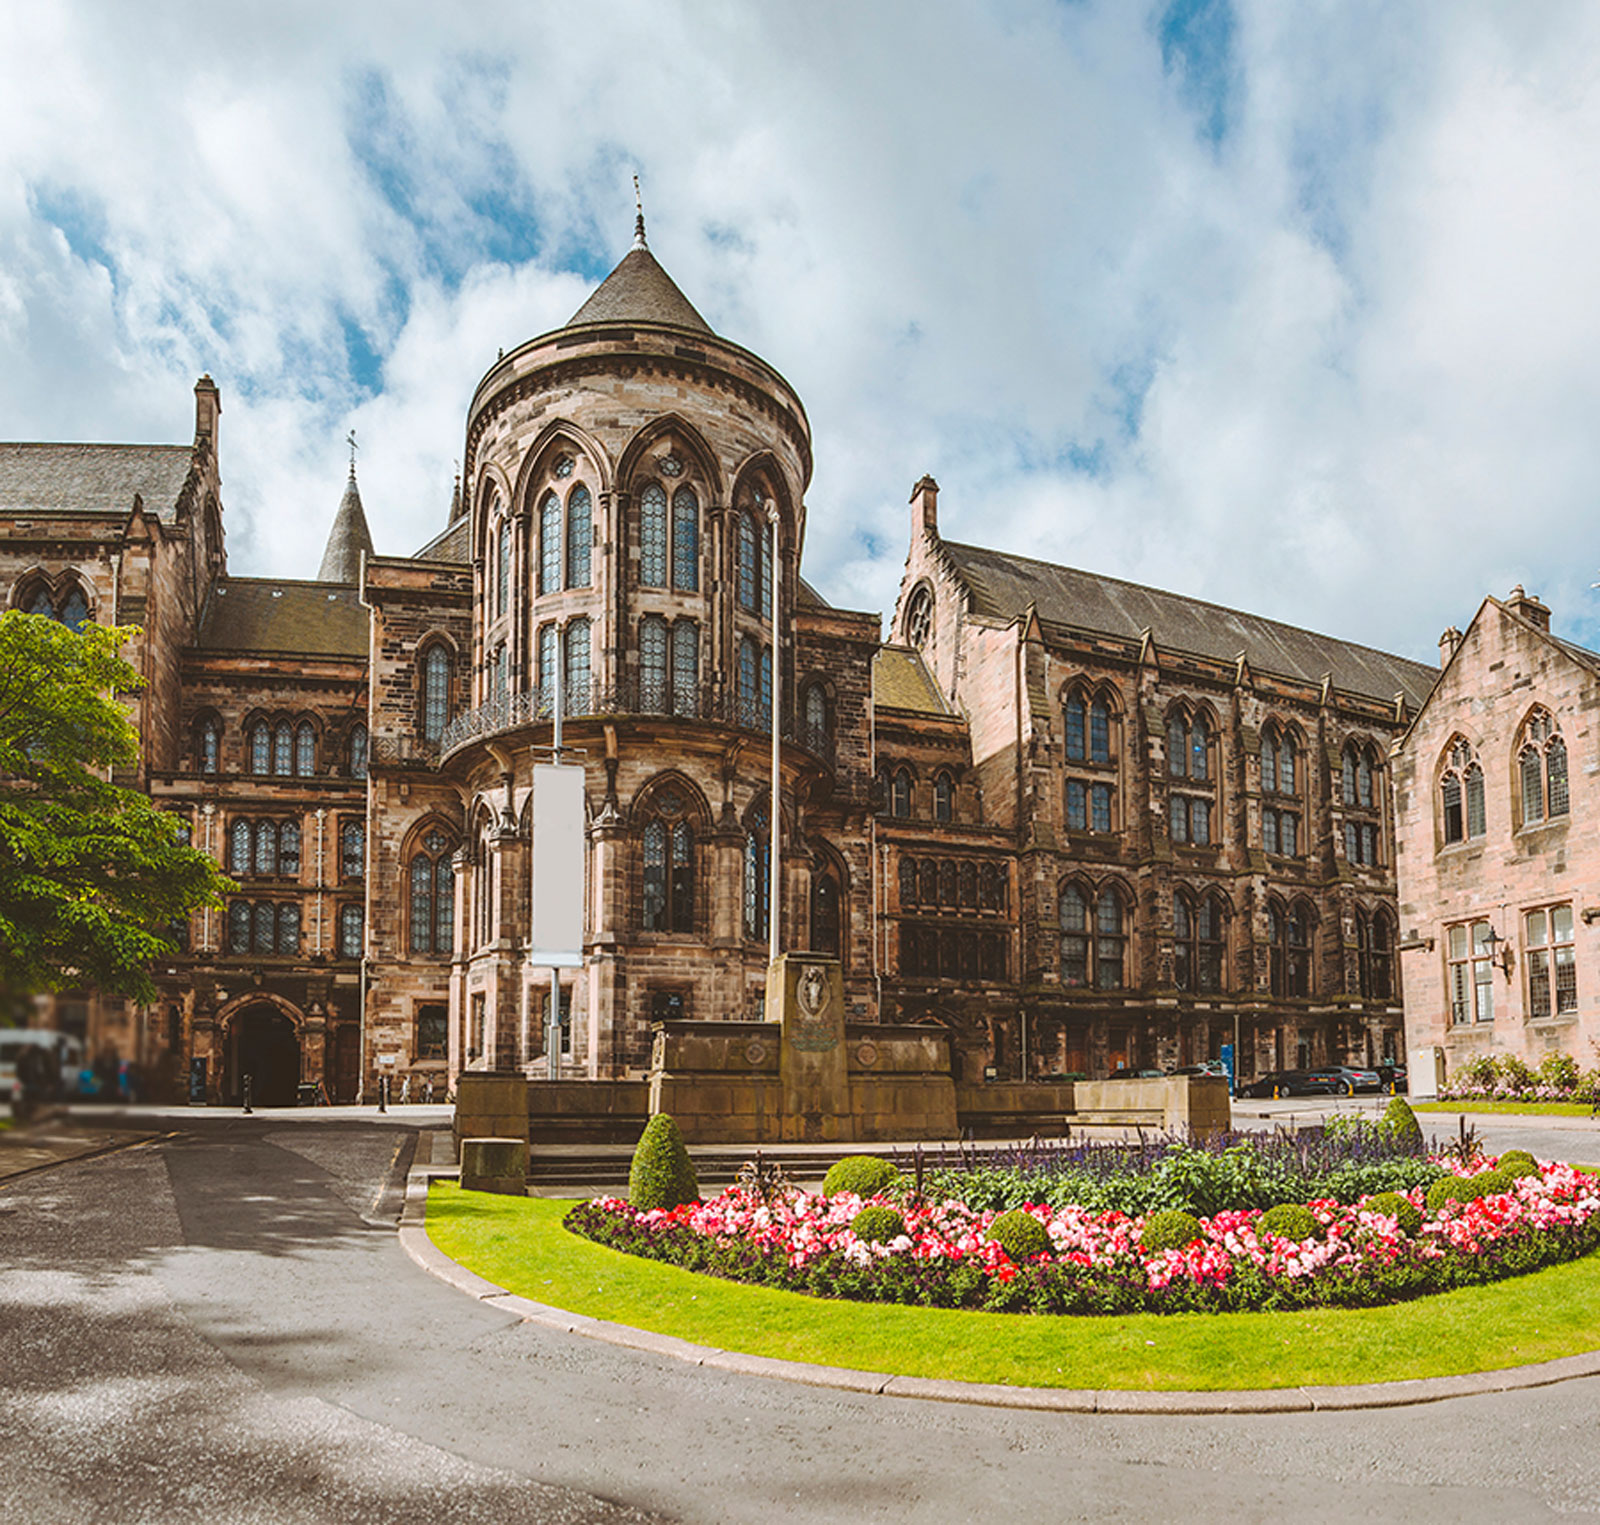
(247, 1107)
(383, 1093)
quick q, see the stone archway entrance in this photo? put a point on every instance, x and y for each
(263, 1044)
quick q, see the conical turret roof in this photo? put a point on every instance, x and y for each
(639, 291)
(349, 537)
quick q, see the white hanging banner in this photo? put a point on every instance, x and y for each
(558, 889)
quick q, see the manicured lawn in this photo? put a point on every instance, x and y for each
(518, 1243)
(1531, 1108)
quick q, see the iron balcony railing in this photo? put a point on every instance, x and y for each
(632, 697)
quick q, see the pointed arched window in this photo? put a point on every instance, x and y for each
(435, 691)
(685, 540)
(653, 536)
(757, 873)
(550, 544)
(305, 749)
(432, 909)
(580, 536)
(358, 750)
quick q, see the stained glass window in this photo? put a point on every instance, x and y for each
(580, 536)
(653, 536)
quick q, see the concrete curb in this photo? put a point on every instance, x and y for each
(1301, 1400)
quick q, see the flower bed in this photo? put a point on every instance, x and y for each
(1504, 1077)
(1359, 1256)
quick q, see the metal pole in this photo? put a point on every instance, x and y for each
(560, 663)
(774, 849)
(552, 1041)
(247, 1106)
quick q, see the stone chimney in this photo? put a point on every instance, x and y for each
(1447, 645)
(207, 410)
(1529, 607)
(925, 508)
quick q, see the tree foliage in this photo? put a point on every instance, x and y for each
(93, 877)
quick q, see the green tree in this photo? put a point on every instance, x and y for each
(93, 877)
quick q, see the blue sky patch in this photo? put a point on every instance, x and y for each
(1196, 38)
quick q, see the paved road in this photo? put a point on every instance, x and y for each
(221, 1326)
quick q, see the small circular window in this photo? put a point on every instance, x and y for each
(919, 618)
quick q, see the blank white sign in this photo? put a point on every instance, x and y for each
(558, 896)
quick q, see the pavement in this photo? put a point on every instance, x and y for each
(220, 1324)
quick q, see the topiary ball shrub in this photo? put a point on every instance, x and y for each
(1400, 1122)
(662, 1174)
(1450, 1189)
(862, 1175)
(1020, 1235)
(1171, 1229)
(1288, 1220)
(1490, 1183)
(1516, 1165)
(877, 1225)
(1392, 1205)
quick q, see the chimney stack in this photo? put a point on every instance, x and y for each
(1448, 642)
(925, 508)
(1529, 607)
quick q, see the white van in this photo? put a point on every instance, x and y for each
(66, 1050)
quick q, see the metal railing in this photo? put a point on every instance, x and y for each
(633, 697)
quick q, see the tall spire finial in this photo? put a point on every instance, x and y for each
(350, 440)
(638, 221)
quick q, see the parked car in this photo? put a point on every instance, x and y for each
(1292, 1083)
(1392, 1077)
(1205, 1067)
(1349, 1081)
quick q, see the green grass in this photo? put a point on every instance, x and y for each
(519, 1243)
(1530, 1108)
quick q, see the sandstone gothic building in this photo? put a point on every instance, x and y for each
(1078, 824)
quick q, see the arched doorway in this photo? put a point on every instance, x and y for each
(263, 1045)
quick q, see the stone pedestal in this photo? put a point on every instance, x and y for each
(495, 1164)
(491, 1104)
(805, 999)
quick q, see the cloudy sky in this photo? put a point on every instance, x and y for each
(1287, 304)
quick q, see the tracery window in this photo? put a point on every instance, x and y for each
(1542, 769)
(1093, 938)
(653, 536)
(1190, 768)
(547, 669)
(358, 750)
(1280, 790)
(432, 884)
(260, 748)
(1289, 939)
(826, 918)
(305, 749)
(1374, 955)
(351, 920)
(755, 685)
(283, 748)
(685, 667)
(353, 850)
(550, 544)
(757, 871)
(580, 536)
(208, 744)
(576, 698)
(1198, 924)
(436, 676)
(1089, 723)
(944, 790)
(814, 707)
(668, 876)
(502, 568)
(70, 607)
(1362, 790)
(653, 664)
(1461, 794)
(686, 540)
(900, 794)
(264, 847)
(263, 926)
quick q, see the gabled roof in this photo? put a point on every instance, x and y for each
(639, 291)
(349, 537)
(259, 614)
(1002, 587)
(453, 544)
(900, 681)
(54, 479)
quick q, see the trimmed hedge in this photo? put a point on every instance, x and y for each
(1400, 1122)
(1288, 1220)
(1392, 1205)
(1020, 1235)
(1169, 1230)
(877, 1225)
(862, 1175)
(662, 1174)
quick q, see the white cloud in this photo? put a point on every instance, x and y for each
(1339, 366)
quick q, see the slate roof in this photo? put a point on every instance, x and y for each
(639, 291)
(453, 544)
(1003, 586)
(261, 614)
(349, 537)
(46, 478)
(900, 681)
